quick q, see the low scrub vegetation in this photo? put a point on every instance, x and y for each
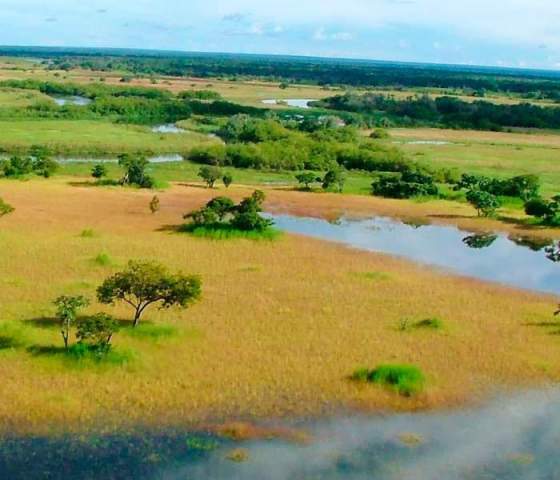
(407, 380)
(221, 218)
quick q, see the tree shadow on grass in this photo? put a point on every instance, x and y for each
(170, 228)
(553, 325)
(195, 185)
(8, 342)
(52, 323)
(92, 184)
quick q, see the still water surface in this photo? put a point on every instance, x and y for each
(516, 261)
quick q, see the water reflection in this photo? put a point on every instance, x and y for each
(480, 240)
(515, 261)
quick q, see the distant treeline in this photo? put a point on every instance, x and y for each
(445, 111)
(129, 104)
(320, 71)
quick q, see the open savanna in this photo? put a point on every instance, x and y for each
(89, 137)
(489, 153)
(280, 327)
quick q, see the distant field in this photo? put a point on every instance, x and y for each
(244, 92)
(92, 137)
(499, 154)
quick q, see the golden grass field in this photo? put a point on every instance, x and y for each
(280, 327)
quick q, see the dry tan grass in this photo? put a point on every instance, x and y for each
(280, 328)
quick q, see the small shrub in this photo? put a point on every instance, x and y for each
(88, 233)
(154, 204)
(103, 260)
(99, 171)
(407, 380)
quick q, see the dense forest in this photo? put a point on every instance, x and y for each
(444, 111)
(320, 71)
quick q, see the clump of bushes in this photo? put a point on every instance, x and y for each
(407, 380)
(93, 333)
(222, 218)
(547, 211)
(413, 182)
(38, 161)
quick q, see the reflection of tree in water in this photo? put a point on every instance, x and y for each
(480, 240)
(534, 243)
(553, 252)
(416, 222)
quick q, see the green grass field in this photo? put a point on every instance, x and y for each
(87, 137)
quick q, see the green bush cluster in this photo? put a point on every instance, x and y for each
(407, 380)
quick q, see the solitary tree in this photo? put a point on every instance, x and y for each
(154, 204)
(67, 308)
(142, 284)
(135, 171)
(306, 179)
(227, 179)
(334, 178)
(210, 175)
(99, 171)
(485, 203)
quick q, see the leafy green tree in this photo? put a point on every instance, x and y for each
(221, 206)
(334, 178)
(210, 175)
(135, 171)
(96, 331)
(142, 284)
(154, 204)
(227, 179)
(306, 179)
(67, 308)
(99, 171)
(548, 211)
(247, 215)
(485, 203)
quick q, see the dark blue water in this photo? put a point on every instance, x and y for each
(516, 261)
(511, 439)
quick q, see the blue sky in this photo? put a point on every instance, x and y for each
(520, 33)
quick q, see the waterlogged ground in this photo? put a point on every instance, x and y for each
(515, 438)
(516, 261)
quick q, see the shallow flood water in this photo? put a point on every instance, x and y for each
(168, 128)
(71, 100)
(291, 102)
(516, 261)
(162, 158)
(511, 439)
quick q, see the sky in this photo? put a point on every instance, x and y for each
(516, 33)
